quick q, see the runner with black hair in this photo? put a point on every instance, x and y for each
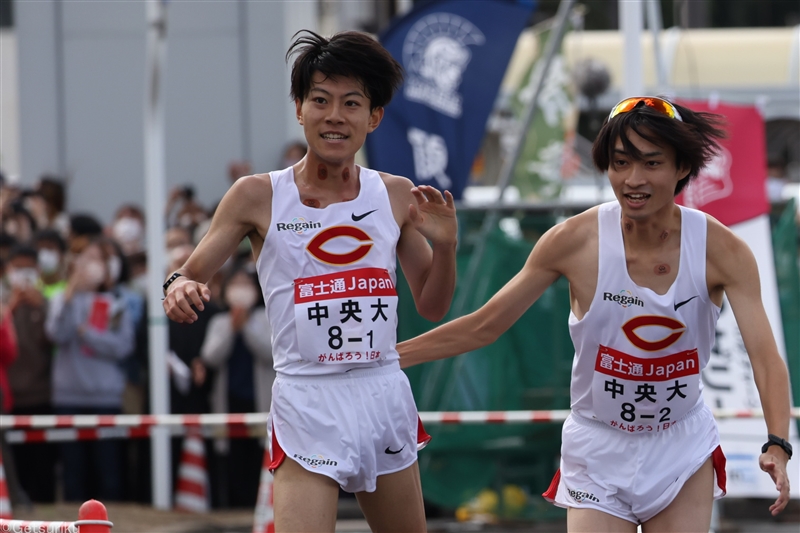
(647, 279)
(326, 234)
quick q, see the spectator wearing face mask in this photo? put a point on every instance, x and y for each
(93, 333)
(238, 346)
(128, 229)
(30, 375)
(50, 248)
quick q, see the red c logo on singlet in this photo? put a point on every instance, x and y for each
(635, 323)
(315, 246)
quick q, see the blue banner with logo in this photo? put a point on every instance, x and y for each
(455, 54)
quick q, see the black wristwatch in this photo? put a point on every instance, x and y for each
(777, 441)
(169, 281)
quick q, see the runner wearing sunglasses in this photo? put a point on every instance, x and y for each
(647, 279)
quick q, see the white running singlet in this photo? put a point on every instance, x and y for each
(639, 354)
(328, 279)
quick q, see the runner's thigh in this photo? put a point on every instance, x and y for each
(304, 502)
(396, 506)
(690, 511)
(594, 521)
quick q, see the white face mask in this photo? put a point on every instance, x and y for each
(95, 273)
(49, 261)
(241, 296)
(127, 230)
(114, 268)
(23, 278)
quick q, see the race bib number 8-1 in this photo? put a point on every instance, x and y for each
(640, 395)
(346, 317)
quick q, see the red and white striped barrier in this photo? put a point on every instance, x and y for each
(92, 518)
(47, 428)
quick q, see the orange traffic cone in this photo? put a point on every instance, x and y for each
(5, 502)
(191, 494)
(264, 520)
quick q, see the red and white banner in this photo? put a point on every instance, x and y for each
(733, 190)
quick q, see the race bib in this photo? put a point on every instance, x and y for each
(346, 317)
(644, 395)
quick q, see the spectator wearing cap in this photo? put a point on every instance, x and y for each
(30, 374)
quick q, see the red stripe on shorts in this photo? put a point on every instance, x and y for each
(422, 436)
(718, 460)
(278, 455)
(552, 490)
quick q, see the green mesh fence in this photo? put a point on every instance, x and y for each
(527, 368)
(784, 241)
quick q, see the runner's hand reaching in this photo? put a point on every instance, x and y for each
(434, 216)
(184, 299)
(773, 462)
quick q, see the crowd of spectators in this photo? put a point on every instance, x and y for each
(73, 340)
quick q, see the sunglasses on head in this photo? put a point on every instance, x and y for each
(653, 102)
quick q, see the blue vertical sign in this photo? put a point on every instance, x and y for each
(455, 54)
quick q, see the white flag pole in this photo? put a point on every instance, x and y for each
(155, 192)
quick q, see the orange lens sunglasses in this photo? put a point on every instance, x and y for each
(653, 102)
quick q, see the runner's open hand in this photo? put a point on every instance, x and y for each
(773, 462)
(184, 299)
(434, 216)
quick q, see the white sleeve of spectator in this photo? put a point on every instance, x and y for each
(258, 336)
(218, 344)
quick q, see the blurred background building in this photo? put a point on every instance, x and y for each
(73, 82)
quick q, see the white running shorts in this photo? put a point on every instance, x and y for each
(634, 477)
(351, 427)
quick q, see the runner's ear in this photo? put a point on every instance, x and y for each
(298, 105)
(375, 117)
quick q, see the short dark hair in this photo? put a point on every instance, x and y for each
(50, 235)
(23, 250)
(52, 190)
(348, 54)
(85, 225)
(695, 139)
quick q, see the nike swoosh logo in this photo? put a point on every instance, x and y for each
(388, 449)
(677, 305)
(356, 218)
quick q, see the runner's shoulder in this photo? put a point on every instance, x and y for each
(726, 253)
(576, 231)
(396, 184)
(254, 188)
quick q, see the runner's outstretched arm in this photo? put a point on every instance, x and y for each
(235, 217)
(484, 326)
(732, 263)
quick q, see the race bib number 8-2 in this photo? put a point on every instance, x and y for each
(641, 395)
(346, 317)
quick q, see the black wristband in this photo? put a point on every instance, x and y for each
(169, 281)
(774, 440)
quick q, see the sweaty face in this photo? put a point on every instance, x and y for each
(647, 186)
(336, 117)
